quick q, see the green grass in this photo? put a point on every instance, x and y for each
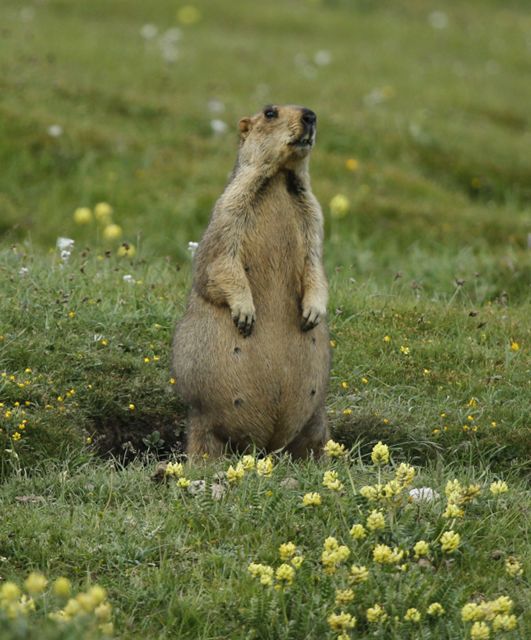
(432, 254)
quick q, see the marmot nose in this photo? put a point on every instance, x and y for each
(308, 117)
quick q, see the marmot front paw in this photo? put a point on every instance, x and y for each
(244, 318)
(311, 316)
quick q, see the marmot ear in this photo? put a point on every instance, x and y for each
(245, 127)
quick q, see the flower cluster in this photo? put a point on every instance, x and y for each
(284, 574)
(263, 467)
(89, 608)
(496, 614)
(111, 231)
(333, 554)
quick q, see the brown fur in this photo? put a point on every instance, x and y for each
(259, 266)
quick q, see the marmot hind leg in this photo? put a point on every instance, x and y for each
(312, 438)
(202, 439)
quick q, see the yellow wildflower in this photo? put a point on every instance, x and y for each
(480, 631)
(352, 164)
(112, 232)
(405, 350)
(358, 531)
(334, 449)
(9, 592)
(183, 483)
(297, 561)
(504, 622)
(188, 15)
(62, 587)
(287, 550)
(370, 492)
(358, 574)
(35, 583)
(103, 212)
(174, 469)
(375, 520)
(435, 609)
(82, 215)
(285, 574)
(499, 487)
(341, 621)
(262, 571)
(385, 555)
(331, 481)
(387, 338)
(347, 412)
(471, 611)
(405, 474)
(453, 511)
(380, 453)
(264, 467)
(126, 250)
(339, 206)
(421, 548)
(344, 385)
(515, 346)
(311, 499)
(103, 612)
(235, 474)
(503, 604)
(376, 614)
(412, 615)
(513, 567)
(450, 541)
(344, 597)
(248, 462)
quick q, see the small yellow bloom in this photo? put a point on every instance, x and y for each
(341, 621)
(103, 612)
(172, 381)
(412, 615)
(513, 567)
(183, 483)
(287, 550)
(71, 314)
(352, 164)
(331, 481)
(387, 338)
(376, 614)
(311, 499)
(82, 215)
(344, 597)
(358, 532)
(131, 406)
(435, 609)
(112, 232)
(480, 631)
(515, 346)
(344, 384)
(358, 574)
(262, 571)
(370, 492)
(297, 561)
(504, 622)
(264, 467)
(334, 449)
(364, 381)
(35, 583)
(62, 587)
(174, 469)
(285, 574)
(450, 541)
(248, 462)
(380, 453)
(421, 548)
(333, 344)
(405, 350)
(347, 412)
(9, 592)
(453, 511)
(16, 436)
(499, 487)
(339, 206)
(126, 250)
(235, 474)
(471, 611)
(103, 212)
(375, 521)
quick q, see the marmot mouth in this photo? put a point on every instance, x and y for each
(305, 141)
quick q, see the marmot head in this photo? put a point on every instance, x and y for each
(284, 133)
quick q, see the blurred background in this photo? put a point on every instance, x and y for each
(422, 164)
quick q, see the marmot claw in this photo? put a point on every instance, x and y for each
(244, 324)
(310, 318)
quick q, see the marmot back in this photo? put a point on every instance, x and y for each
(251, 353)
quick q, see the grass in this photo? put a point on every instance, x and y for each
(429, 275)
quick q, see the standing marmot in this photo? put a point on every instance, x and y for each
(251, 354)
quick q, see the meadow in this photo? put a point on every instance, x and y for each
(118, 130)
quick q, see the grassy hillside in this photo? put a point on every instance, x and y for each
(423, 129)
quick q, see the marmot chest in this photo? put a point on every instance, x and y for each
(274, 249)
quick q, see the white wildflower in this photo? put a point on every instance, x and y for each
(426, 494)
(128, 278)
(55, 130)
(218, 126)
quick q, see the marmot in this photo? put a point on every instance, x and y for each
(251, 354)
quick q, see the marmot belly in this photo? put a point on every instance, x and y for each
(267, 386)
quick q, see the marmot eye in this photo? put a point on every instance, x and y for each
(270, 113)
